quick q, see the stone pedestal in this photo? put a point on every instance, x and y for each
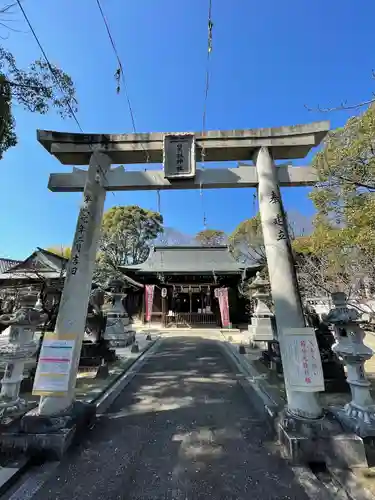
(261, 328)
(118, 332)
(319, 440)
(359, 414)
(95, 349)
(272, 357)
(333, 370)
(17, 348)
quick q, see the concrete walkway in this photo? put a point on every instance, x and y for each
(182, 430)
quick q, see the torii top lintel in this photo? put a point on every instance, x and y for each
(290, 142)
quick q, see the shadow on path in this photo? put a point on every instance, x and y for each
(183, 429)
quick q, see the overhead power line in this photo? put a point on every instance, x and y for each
(207, 76)
(120, 70)
(71, 110)
(120, 75)
(206, 89)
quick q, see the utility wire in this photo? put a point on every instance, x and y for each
(120, 75)
(206, 89)
(207, 84)
(71, 110)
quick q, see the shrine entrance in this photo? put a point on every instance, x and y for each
(179, 154)
(190, 306)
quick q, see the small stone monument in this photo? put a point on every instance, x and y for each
(333, 371)
(95, 348)
(359, 414)
(261, 328)
(18, 348)
(118, 332)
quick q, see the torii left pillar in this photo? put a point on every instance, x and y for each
(72, 313)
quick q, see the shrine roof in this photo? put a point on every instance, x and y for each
(189, 260)
(6, 264)
(41, 263)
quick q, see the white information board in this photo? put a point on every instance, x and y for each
(179, 156)
(55, 361)
(302, 364)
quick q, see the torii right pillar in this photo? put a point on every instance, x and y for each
(285, 294)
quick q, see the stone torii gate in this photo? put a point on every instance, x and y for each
(263, 146)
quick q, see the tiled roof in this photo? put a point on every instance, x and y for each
(188, 259)
(6, 264)
(40, 262)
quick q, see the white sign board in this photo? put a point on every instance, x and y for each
(179, 156)
(302, 364)
(54, 364)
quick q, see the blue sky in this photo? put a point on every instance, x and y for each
(269, 59)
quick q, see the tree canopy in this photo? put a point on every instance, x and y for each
(38, 89)
(211, 237)
(339, 253)
(127, 233)
(174, 237)
(246, 241)
(344, 195)
(61, 251)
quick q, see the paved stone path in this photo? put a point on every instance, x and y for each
(182, 430)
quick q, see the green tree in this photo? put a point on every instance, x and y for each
(61, 251)
(35, 89)
(341, 250)
(211, 237)
(344, 195)
(246, 241)
(127, 233)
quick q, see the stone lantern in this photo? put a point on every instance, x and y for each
(17, 348)
(359, 414)
(118, 332)
(261, 328)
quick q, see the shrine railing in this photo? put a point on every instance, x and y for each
(190, 319)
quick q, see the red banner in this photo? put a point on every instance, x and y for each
(149, 300)
(222, 295)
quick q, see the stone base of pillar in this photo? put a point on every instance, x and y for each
(303, 440)
(356, 419)
(47, 437)
(321, 440)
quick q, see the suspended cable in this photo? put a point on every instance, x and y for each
(158, 196)
(71, 110)
(207, 77)
(58, 83)
(120, 75)
(206, 89)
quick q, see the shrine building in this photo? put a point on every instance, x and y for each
(185, 279)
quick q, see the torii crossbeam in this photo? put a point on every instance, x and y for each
(234, 145)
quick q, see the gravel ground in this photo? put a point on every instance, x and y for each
(182, 430)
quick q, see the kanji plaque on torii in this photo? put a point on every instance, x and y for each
(179, 156)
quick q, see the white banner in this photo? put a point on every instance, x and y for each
(301, 359)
